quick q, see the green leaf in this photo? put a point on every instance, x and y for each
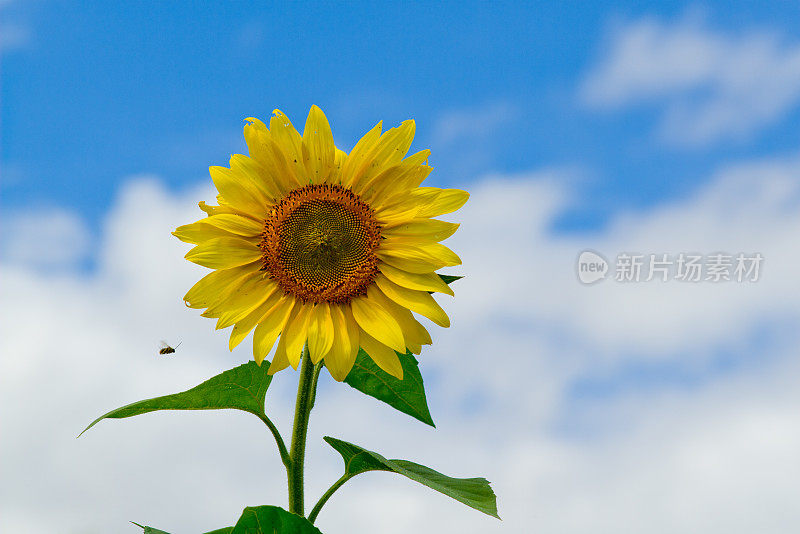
(449, 278)
(260, 520)
(151, 530)
(407, 395)
(474, 492)
(240, 388)
(272, 520)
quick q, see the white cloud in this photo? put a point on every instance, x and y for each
(44, 238)
(711, 85)
(717, 457)
(751, 207)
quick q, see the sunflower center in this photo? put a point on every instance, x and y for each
(319, 244)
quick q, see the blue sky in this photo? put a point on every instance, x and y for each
(643, 127)
(99, 91)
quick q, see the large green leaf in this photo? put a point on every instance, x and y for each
(272, 520)
(407, 395)
(474, 492)
(240, 388)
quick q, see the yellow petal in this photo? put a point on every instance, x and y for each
(437, 252)
(371, 191)
(359, 153)
(420, 171)
(246, 299)
(319, 147)
(398, 179)
(400, 209)
(224, 253)
(441, 251)
(417, 258)
(419, 281)
(389, 150)
(377, 322)
(214, 210)
(409, 260)
(393, 151)
(393, 189)
(392, 180)
(417, 301)
(343, 352)
(338, 164)
(199, 231)
(275, 175)
(235, 224)
(269, 327)
(261, 147)
(290, 143)
(286, 176)
(246, 291)
(259, 176)
(320, 332)
(426, 229)
(238, 191)
(216, 285)
(296, 333)
(384, 356)
(422, 242)
(246, 325)
(255, 135)
(414, 333)
(280, 361)
(439, 201)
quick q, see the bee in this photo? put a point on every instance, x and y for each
(166, 349)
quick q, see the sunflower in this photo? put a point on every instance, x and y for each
(312, 245)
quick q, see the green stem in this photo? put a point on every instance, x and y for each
(317, 371)
(306, 390)
(327, 495)
(278, 440)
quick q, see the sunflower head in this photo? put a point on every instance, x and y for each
(319, 244)
(311, 245)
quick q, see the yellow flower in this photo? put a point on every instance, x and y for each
(312, 245)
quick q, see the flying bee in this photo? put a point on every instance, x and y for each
(166, 349)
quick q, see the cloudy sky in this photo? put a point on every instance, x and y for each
(611, 408)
